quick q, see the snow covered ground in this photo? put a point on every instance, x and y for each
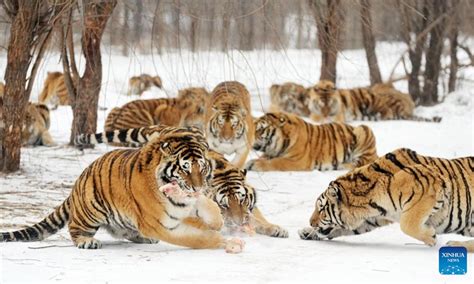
(384, 255)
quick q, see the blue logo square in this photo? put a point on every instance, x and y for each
(453, 260)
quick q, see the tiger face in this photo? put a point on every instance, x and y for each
(235, 198)
(323, 100)
(327, 216)
(227, 126)
(194, 113)
(272, 133)
(184, 160)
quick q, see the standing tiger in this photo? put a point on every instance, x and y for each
(289, 143)
(54, 91)
(289, 97)
(137, 85)
(229, 189)
(229, 124)
(380, 102)
(426, 195)
(185, 110)
(122, 191)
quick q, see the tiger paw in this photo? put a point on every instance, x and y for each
(88, 243)
(278, 232)
(308, 233)
(234, 245)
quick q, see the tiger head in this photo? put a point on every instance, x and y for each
(182, 157)
(273, 132)
(336, 209)
(227, 122)
(231, 192)
(323, 100)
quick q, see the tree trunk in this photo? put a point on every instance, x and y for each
(194, 26)
(433, 55)
(125, 31)
(299, 21)
(87, 96)
(369, 42)
(16, 98)
(176, 23)
(225, 27)
(138, 23)
(453, 46)
(330, 23)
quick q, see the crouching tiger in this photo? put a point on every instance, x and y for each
(122, 192)
(289, 143)
(380, 102)
(188, 109)
(426, 195)
(229, 189)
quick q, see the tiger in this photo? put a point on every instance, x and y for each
(124, 191)
(229, 189)
(137, 85)
(289, 143)
(229, 124)
(426, 195)
(36, 124)
(289, 97)
(380, 102)
(182, 111)
(54, 91)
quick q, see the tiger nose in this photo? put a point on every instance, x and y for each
(313, 222)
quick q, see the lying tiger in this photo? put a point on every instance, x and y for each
(137, 85)
(289, 97)
(35, 128)
(229, 189)
(426, 195)
(380, 102)
(188, 109)
(54, 91)
(125, 192)
(289, 143)
(229, 125)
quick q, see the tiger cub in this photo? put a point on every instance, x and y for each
(54, 91)
(36, 126)
(289, 97)
(182, 111)
(289, 143)
(426, 195)
(137, 85)
(380, 102)
(124, 191)
(229, 125)
(229, 189)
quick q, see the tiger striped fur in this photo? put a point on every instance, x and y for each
(54, 91)
(426, 195)
(120, 192)
(137, 85)
(289, 143)
(380, 102)
(229, 189)
(229, 125)
(36, 126)
(289, 97)
(171, 112)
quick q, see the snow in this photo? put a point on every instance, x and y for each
(384, 255)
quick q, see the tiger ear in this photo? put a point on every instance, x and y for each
(165, 147)
(243, 172)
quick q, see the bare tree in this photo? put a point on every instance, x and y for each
(84, 90)
(125, 31)
(31, 28)
(369, 42)
(192, 9)
(453, 45)
(138, 23)
(329, 17)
